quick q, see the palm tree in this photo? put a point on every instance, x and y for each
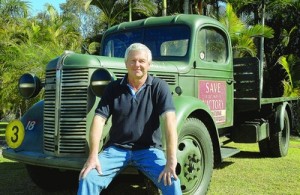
(13, 9)
(280, 52)
(114, 12)
(13, 13)
(291, 82)
(27, 45)
(242, 36)
(290, 63)
(56, 29)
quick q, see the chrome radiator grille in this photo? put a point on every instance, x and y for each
(65, 112)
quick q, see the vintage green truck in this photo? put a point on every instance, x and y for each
(218, 100)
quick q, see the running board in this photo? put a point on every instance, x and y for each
(228, 152)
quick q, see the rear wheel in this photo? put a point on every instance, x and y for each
(195, 157)
(51, 179)
(278, 143)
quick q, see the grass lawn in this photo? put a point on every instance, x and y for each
(245, 173)
(249, 173)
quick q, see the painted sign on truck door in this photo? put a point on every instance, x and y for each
(213, 93)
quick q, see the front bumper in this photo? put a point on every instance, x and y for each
(40, 159)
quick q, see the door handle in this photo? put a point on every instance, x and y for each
(230, 81)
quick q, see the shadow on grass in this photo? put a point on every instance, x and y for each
(14, 179)
(240, 155)
(223, 165)
(9, 166)
(248, 155)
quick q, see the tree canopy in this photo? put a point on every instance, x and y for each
(28, 43)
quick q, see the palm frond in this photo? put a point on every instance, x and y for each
(285, 65)
(259, 30)
(233, 24)
(242, 36)
(145, 7)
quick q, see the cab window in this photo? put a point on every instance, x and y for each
(165, 42)
(211, 45)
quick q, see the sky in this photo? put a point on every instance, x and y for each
(39, 5)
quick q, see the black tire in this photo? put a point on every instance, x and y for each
(195, 157)
(50, 179)
(264, 147)
(278, 143)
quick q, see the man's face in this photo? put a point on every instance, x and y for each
(137, 64)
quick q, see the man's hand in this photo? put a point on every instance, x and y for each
(171, 144)
(91, 163)
(168, 172)
(95, 136)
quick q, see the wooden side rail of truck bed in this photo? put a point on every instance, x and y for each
(247, 90)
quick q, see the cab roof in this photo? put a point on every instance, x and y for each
(191, 20)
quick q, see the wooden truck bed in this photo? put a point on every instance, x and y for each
(248, 86)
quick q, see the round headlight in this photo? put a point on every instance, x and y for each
(29, 85)
(99, 80)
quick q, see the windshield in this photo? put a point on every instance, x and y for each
(163, 41)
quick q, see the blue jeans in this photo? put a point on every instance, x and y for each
(113, 160)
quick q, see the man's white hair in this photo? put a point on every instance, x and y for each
(138, 47)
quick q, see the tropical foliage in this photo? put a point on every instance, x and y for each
(283, 17)
(114, 12)
(286, 44)
(291, 65)
(28, 42)
(243, 36)
(86, 21)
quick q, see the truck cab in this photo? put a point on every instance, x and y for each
(192, 53)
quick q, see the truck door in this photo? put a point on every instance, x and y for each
(214, 73)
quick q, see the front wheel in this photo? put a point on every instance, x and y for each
(195, 157)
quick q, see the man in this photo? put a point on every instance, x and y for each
(135, 103)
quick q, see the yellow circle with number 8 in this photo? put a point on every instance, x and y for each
(14, 133)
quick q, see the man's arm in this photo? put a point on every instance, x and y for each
(171, 144)
(95, 137)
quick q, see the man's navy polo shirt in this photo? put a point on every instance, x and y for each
(135, 119)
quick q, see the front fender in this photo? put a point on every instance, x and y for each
(33, 126)
(186, 105)
(190, 106)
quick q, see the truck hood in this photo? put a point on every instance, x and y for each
(74, 61)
